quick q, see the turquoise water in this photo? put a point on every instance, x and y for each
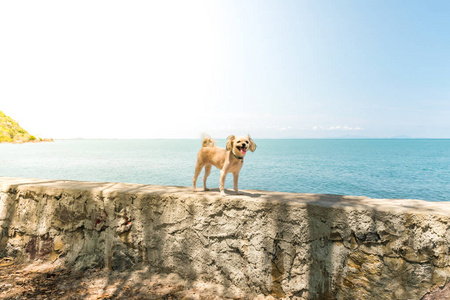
(391, 168)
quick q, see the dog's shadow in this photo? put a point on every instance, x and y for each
(231, 193)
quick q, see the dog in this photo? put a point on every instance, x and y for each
(228, 160)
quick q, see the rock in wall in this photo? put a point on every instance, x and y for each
(282, 244)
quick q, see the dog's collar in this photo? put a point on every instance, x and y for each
(238, 157)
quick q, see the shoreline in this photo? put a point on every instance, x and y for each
(30, 141)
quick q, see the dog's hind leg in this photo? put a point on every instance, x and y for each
(198, 169)
(207, 172)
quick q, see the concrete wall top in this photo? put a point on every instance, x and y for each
(326, 200)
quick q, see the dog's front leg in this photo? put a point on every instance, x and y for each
(235, 182)
(223, 175)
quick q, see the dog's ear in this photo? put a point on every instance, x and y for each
(252, 145)
(230, 141)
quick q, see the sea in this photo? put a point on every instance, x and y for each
(376, 168)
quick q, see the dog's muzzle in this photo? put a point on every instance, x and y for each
(242, 149)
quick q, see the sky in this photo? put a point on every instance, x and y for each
(273, 69)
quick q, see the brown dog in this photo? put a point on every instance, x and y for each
(229, 160)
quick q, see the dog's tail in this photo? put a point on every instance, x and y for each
(207, 141)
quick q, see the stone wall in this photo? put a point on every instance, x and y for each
(282, 244)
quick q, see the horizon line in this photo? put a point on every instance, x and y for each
(293, 138)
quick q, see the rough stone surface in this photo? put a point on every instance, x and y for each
(302, 246)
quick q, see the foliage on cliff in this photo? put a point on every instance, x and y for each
(10, 131)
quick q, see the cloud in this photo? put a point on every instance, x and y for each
(336, 128)
(279, 128)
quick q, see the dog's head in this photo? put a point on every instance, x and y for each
(240, 145)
